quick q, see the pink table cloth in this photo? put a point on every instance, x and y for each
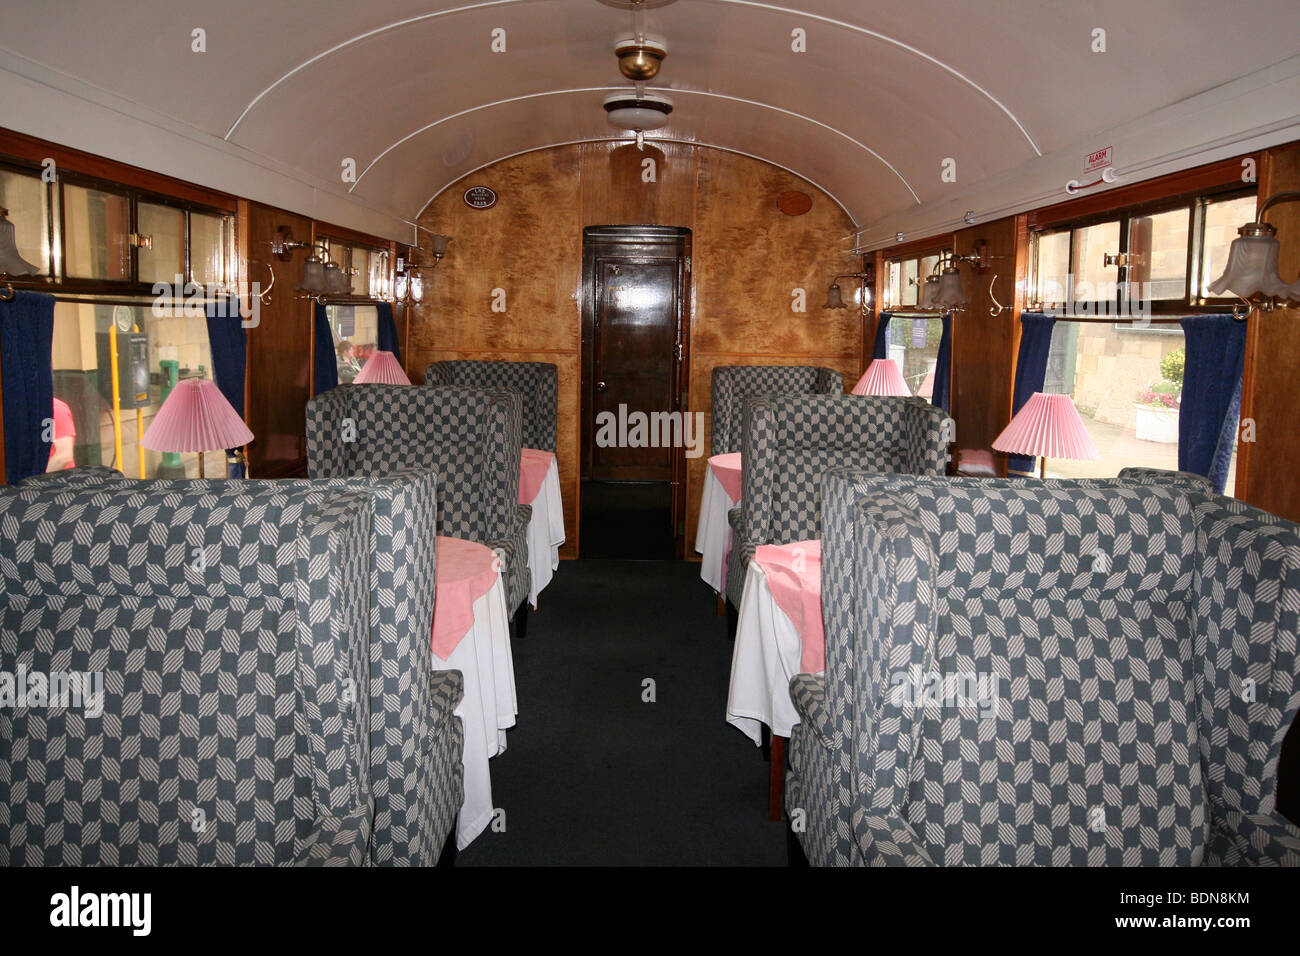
(794, 576)
(533, 466)
(466, 570)
(727, 470)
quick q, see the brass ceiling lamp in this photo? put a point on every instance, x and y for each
(640, 56)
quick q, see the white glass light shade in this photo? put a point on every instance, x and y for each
(336, 280)
(11, 263)
(417, 288)
(399, 290)
(628, 111)
(313, 275)
(951, 294)
(834, 297)
(929, 291)
(1251, 269)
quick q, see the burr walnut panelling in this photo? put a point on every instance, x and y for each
(747, 259)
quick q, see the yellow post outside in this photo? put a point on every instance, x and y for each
(117, 396)
(139, 430)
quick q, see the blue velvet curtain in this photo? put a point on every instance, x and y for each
(388, 331)
(1207, 419)
(326, 359)
(943, 367)
(1031, 370)
(881, 349)
(26, 336)
(226, 340)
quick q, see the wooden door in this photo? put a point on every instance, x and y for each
(635, 300)
(633, 354)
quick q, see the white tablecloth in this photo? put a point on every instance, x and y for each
(545, 532)
(488, 707)
(713, 535)
(765, 658)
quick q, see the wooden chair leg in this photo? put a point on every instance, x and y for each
(722, 606)
(776, 780)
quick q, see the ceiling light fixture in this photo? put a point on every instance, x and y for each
(640, 56)
(638, 112)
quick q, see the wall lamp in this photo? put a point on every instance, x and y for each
(943, 289)
(835, 295)
(410, 284)
(1251, 273)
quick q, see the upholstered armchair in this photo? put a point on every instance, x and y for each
(1059, 673)
(536, 383)
(732, 384)
(469, 437)
(232, 636)
(418, 790)
(789, 443)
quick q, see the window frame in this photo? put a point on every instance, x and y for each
(1194, 203)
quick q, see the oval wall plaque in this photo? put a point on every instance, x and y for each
(794, 203)
(480, 197)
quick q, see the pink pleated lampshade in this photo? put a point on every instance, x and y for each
(882, 377)
(1047, 426)
(196, 417)
(382, 368)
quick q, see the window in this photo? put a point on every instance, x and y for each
(914, 347)
(27, 199)
(153, 353)
(366, 267)
(903, 279)
(1162, 255)
(356, 336)
(96, 227)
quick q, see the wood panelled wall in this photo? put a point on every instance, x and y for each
(748, 258)
(279, 349)
(1268, 469)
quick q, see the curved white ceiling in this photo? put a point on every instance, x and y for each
(413, 93)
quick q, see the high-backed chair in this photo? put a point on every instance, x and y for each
(1059, 673)
(415, 739)
(231, 634)
(732, 384)
(536, 383)
(789, 443)
(469, 437)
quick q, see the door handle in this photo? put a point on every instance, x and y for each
(601, 386)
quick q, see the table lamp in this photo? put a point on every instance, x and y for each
(196, 418)
(1047, 426)
(382, 368)
(882, 377)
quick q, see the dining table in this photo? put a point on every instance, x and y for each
(539, 486)
(471, 634)
(779, 633)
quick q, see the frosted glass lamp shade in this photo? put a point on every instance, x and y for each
(834, 297)
(1251, 268)
(336, 280)
(951, 294)
(11, 263)
(439, 245)
(929, 292)
(313, 276)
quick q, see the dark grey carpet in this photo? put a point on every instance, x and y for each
(594, 776)
(627, 519)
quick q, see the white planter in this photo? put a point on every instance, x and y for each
(1157, 424)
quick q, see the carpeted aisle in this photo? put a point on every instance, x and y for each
(592, 775)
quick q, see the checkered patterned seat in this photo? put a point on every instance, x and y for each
(470, 438)
(417, 789)
(536, 383)
(791, 440)
(732, 384)
(232, 635)
(1143, 638)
